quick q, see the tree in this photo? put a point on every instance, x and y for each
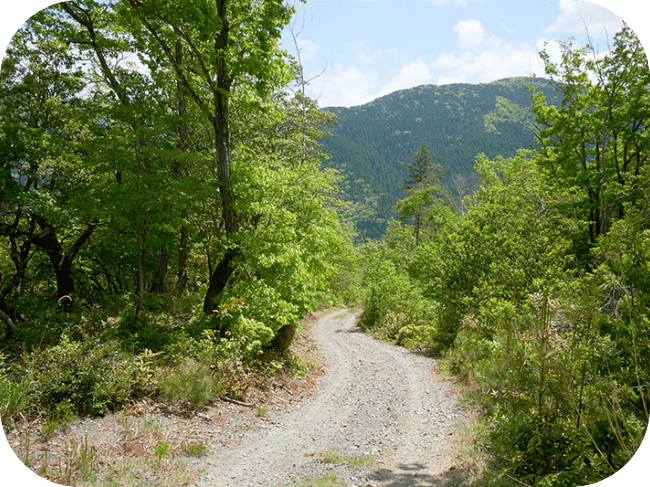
(42, 152)
(596, 140)
(229, 43)
(422, 181)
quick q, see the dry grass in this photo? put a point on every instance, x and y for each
(151, 441)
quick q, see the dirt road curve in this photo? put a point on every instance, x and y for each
(375, 399)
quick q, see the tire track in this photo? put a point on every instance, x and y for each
(375, 399)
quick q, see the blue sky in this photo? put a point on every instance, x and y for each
(369, 48)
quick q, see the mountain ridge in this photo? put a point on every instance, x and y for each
(457, 122)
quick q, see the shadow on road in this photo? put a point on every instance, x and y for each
(413, 475)
(350, 330)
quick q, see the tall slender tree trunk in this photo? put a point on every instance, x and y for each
(183, 254)
(224, 269)
(183, 145)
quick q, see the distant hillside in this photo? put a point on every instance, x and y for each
(456, 121)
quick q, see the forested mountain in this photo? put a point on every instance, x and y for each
(456, 121)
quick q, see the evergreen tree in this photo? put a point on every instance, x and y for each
(422, 181)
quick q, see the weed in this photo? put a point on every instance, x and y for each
(261, 410)
(25, 450)
(354, 461)
(126, 427)
(191, 382)
(78, 463)
(194, 449)
(60, 418)
(162, 448)
(83, 458)
(167, 473)
(330, 479)
(154, 425)
(15, 397)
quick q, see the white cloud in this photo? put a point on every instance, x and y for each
(344, 86)
(552, 47)
(498, 60)
(365, 58)
(507, 28)
(554, 51)
(470, 33)
(451, 79)
(577, 16)
(414, 74)
(308, 50)
(351, 86)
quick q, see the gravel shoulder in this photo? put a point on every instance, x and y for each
(375, 399)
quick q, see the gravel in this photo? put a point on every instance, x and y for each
(375, 399)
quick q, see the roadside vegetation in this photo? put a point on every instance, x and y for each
(534, 289)
(163, 230)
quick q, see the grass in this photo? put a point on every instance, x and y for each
(80, 467)
(354, 461)
(194, 449)
(330, 479)
(15, 397)
(187, 383)
(79, 463)
(145, 471)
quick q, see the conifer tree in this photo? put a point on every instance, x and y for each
(422, 181)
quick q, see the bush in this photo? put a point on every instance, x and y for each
(15, 396)
(92, 376)
(253, 337)
(203, 349)
(416, 337)
(191, 382)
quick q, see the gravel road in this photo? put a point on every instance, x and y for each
(375, 399)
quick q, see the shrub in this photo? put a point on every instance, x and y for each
(253, 336)
(203, 349)
(15, 396)
(191, 382)
(416, 337)
(390, 326)
(93, 376)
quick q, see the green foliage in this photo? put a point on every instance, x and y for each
(15, 395)
(455, 121)
(330, 479)
(191, 382)
(539, 286)
(595, 139)
(416, 337)
(356, 462)
(392, 302)
(92, 377)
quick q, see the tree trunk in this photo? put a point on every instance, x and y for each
(219, 99)
(20, 255)
(284, 337)
(60, 259)
(221, 274)
(183, 254)
(218, 281)
(160, 272)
